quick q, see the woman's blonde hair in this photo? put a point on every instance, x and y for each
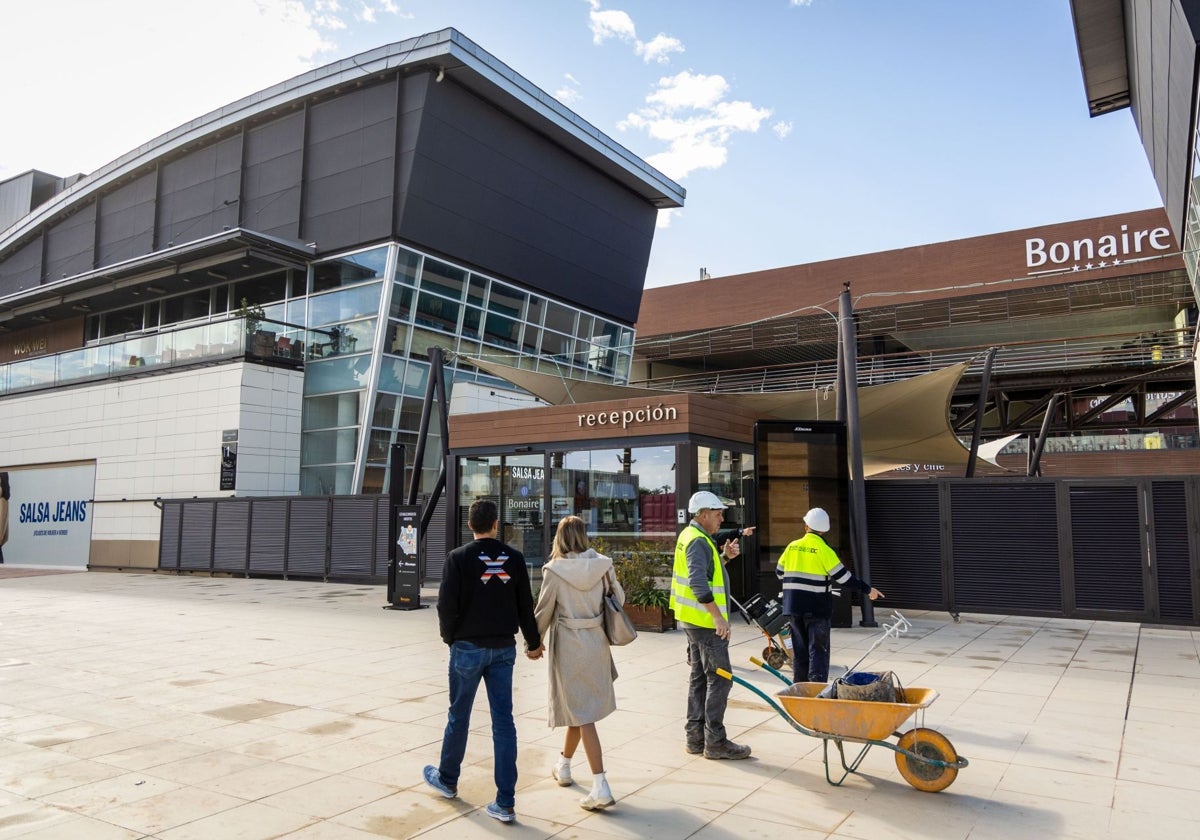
(571, 537)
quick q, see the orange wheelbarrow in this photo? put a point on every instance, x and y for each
(925, 757)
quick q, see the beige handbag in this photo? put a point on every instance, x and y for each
(617, 626)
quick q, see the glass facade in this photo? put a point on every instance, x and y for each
(389, 307)
(628, 496)
(373, 315)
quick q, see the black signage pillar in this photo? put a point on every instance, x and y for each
(404, 542)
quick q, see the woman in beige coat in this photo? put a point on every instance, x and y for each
(569, 617)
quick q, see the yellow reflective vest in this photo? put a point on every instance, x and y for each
(683, 600)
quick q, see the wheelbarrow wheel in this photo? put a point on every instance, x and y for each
(774, 657)
(920, 774)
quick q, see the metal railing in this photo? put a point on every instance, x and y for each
(254, 338)
(1123, 350)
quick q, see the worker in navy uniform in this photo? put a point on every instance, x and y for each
(808, 567)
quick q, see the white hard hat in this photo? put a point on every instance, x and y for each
(704, 500)
(817, 519)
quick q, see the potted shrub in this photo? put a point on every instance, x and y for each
(646, 603)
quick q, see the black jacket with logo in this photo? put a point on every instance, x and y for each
(485, 597)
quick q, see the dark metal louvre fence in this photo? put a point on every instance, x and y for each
(353, 541)
(1004, 547)
(338, 537)
(1173, 551)
(1117, 549)
(196, 536)
(1107, 551)
(435, 541)
(233, 522)
(904, 534)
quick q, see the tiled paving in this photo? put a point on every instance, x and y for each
(141, 705)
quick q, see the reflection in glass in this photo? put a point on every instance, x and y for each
(346, 271)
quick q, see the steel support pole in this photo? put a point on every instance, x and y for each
(1035, 463)
(858, 491)
(984, 383)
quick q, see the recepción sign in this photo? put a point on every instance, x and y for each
(49, 515)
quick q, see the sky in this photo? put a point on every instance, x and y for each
(802, 130)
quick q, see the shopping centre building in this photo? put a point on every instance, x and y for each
(246, 304)
(213, 343)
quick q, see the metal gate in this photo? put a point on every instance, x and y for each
(1112, 549)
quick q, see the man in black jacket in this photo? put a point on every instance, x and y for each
(484, 599)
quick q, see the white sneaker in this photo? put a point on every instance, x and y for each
(562, 774)
(597, 800)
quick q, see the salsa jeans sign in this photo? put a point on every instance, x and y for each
(50, 513)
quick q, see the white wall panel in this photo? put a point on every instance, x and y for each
(160, 436)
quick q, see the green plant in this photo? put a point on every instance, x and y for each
(638, 572)
(252, 314)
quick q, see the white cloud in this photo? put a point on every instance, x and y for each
(782, 129)
(801, 2)
(659, 48)
(88, 106)
(614, 23)
(366, 14)
(569, 93)
(689, 113)
(610, 23)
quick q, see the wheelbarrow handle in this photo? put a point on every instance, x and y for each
(756, 661)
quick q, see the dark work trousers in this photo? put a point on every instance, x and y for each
(810, 648)
(708, 694)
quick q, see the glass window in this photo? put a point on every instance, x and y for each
(626, 496)
(375, 480)
(556, 344)
(347, 271)
(477, 291)
(534, 313)
(501, 330)
(385, 414)
(397, 338)
(523, 506)
(379, 445)
(323, 376)
(506, 300)
(560, 318)
(331, 411)
(408, 263)
(472, 318)
(345, 305)
(130, 319)
(326, 481)
(186, 307)
(443, 279)
(338, 446)
(402, 377)
(423, 340)
(260, 290)
(402, 301)
(437, 312)
(532, 335)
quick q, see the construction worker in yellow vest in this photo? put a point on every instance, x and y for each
(701, 604)
(806, 568)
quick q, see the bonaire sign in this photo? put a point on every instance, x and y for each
(1116, 248)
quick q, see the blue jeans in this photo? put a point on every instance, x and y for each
(810, 648)
(708, 694)
(469, 663)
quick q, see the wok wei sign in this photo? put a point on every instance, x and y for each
(50, 516)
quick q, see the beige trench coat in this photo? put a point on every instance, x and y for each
(569, 619)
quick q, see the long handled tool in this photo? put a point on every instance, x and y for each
(897, 628)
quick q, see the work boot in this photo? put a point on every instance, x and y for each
(694, 747)
(726, 749)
